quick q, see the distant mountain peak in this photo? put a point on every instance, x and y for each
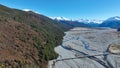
(90, 21)
(113, 22)
(78, 20)
(117, 17)
(114, 18)
(60, 18)
(96, 21)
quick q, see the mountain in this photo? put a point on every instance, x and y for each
(113, 22)
(93, 24)
(90, 21)
(113, 18)
(27, 39)
(77, 23)
(59, 18)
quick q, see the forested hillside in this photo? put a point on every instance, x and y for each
(27, 39)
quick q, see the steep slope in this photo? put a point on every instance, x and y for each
(27, 39)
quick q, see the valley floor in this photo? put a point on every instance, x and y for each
(87, 48)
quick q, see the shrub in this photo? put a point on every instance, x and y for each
(2, 65)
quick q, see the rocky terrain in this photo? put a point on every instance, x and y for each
(88, 48)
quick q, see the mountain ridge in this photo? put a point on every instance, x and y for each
(112, 22)
(79, 20)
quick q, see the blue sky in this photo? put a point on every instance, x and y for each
(73, 9)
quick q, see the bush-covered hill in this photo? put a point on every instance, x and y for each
(27, 39)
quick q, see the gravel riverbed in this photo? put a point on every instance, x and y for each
(87, 48)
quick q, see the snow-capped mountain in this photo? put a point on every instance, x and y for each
(60, 18)
(95, 21)
(78, 20)
(90, 21)
(113, 22)
(113, 18)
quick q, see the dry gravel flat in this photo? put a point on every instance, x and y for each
(87, 42)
